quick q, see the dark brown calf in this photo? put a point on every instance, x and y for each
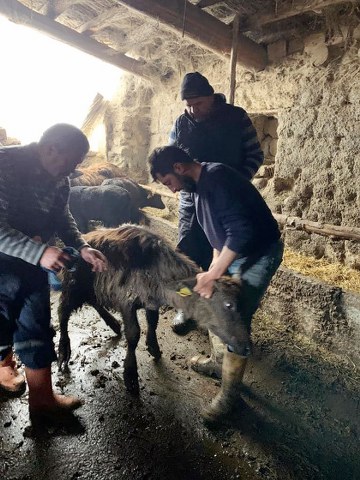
(146, 272)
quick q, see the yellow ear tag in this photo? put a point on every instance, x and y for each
(184, 292)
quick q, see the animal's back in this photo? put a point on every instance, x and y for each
(95, 174)
(141, 265)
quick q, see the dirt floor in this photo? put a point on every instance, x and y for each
(298, 417)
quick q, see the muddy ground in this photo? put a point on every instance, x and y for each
(298, 417)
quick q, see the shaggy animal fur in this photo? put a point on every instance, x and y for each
(145, 272)
(95, 174)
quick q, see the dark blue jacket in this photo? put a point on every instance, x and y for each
(227, 136)
(232, 212)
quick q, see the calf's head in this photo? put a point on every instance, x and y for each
(222, 313)
(154, 200)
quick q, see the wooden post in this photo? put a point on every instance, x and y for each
(233, 58)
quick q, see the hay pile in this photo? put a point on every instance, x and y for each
(331, 273)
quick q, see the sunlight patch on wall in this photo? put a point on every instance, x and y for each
(44, 82)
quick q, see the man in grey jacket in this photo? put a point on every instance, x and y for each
(34, 192)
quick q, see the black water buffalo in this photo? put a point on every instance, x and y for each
(110, 204)
(146, 272)
(140, 197)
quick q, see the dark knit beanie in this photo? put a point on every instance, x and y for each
(195, 85)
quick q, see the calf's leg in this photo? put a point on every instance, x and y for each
(67, 305)
(152, 318)
(132, 334)
(109, 319)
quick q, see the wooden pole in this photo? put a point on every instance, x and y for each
(233, 58)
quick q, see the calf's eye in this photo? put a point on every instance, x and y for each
(228, 305)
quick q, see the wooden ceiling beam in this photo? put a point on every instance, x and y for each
(97, 23)
(206, 3)
(18, 13)
(201, 28)
(54, 8)
(298, 7)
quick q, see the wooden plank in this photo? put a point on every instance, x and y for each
(18, 13)
(297, 7)
(202, 28)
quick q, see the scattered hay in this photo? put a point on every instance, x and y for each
(331, 273)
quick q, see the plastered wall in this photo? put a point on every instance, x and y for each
(316, 103)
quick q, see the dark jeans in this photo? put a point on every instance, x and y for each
(255, 273)
(25, 312)
(196, 246)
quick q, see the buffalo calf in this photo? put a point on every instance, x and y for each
(146, 272)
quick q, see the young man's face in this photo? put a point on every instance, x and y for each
(176, 182)
(199, 108)
(59, 163)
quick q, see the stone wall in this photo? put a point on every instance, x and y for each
(127, 123)
(309, 100)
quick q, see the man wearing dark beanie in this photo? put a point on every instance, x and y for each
(210, 130)
(195, 85)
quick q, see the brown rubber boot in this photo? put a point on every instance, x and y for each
(227, 399)
(206, 366)
(211, 367)
(12, 383)
(43, 402)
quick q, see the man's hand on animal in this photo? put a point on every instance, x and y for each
(204, 284)
(95, 258)
(54, 259)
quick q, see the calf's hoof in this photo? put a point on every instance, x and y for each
(116, 328)
(64, 354)
(131, 384)
(154, 351)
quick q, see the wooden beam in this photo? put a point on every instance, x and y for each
(18, 13)
(97, 23)
(298, 7)
(54, 8)
(201, 28)
(327, 230)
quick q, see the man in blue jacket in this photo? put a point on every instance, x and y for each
(245, 239)
(210, 130)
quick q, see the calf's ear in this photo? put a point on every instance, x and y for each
(183, 287)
